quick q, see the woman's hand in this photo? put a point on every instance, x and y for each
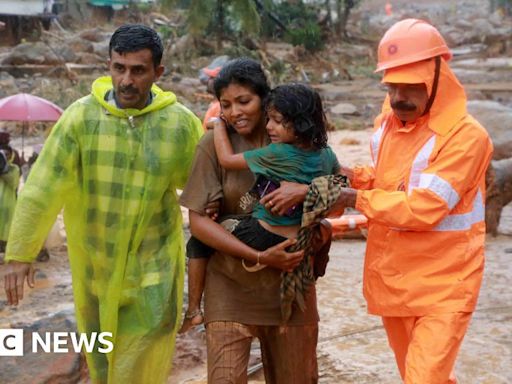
(285, 197)
(277, 257)
(349, 172)
(212, 209)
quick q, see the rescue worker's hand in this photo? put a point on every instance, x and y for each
(14, 279)
(346, 171)
(347, 198)
(212, 209)
(286, 196)
(277, 257)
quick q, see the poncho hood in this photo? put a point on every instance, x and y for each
(102, 85)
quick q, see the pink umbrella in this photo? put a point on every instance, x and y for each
(25, 107)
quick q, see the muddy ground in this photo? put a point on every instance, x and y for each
(352, 346)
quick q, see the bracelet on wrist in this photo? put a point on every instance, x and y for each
(256, 267)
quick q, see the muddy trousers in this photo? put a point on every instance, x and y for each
(426, 347)
(288, 352)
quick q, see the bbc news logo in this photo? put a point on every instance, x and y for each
(12, 342)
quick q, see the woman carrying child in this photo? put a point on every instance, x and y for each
(241, 305)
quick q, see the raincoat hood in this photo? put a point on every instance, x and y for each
(102, 85)
(449, 105)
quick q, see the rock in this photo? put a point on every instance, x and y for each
(453, 36)
(331, 91)
(468, 50)
(31, 53)
(186, 88)
(192, 82)
(94, 35)
(478, 76)
(347, 124)
(499, 192)
(65, 53)
(7, 85)
(497, 119)
(101, 49)
(79, 45)
(89, 58)
(493, 64)
(181, 46)
(41, 367)
(502, 150)
(344, 109)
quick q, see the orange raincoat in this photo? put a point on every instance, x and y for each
(424, 198)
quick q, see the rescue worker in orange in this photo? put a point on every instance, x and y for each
(214, 109)
(424, 199)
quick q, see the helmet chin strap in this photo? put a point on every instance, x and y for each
(434, 85)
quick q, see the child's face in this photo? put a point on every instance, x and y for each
(278, 130)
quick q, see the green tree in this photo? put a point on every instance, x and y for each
(343, 9)
(220, 16)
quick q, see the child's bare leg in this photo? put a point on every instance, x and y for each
(196, 278)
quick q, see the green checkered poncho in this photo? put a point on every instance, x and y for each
(115, 173)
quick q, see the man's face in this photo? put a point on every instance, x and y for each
(133, 74)
(408, 100)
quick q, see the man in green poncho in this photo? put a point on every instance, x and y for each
(114, 161)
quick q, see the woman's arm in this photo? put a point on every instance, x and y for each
(224, 149)
(214, 235)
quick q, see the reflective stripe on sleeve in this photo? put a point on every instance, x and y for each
(440, 187)
(464, 221)
(375, 143)
(420, 163)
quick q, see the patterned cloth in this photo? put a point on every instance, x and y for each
(322, 194)
(280, 161)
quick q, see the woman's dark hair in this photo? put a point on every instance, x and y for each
(242, 71)
(134, 37)
(301, 107)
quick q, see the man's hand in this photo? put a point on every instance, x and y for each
(347, 198)
(14, 279)
(212, 209)
(277, 257)
(349, 172)
(285, 197)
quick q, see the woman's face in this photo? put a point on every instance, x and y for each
(241, 108)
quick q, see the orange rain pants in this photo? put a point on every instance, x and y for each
(426, 347)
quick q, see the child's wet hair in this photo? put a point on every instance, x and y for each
(302, 110)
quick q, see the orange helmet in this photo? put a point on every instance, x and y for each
(410, 41)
